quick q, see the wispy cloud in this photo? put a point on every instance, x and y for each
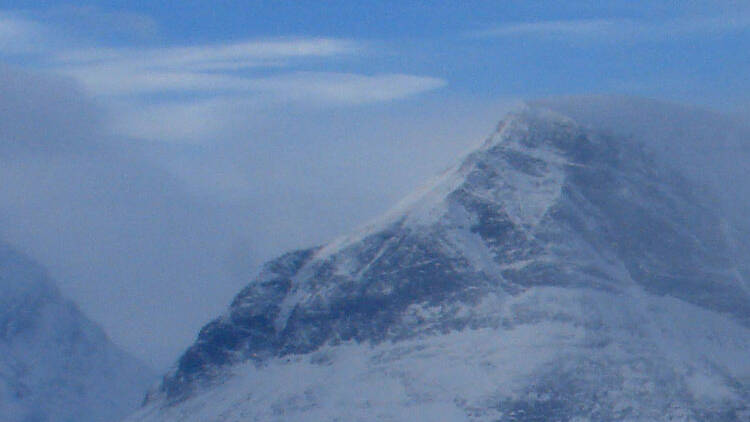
(345, 87)
(195, 121)
(213, 56)
(299, 69)
(178, 93)
(271, 69)
(217, 68)
(227, 70)
(605, 30)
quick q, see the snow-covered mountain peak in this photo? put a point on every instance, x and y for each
(573, 247)
(534, 126)
(523, 157)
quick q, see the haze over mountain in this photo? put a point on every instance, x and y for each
(56, 365)
(153, 158)
(709, 147)
(557, 273)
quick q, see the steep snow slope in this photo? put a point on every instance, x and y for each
(555, 274)
(55, 364)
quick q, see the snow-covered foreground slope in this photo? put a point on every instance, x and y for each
(598, 356)
(55, 364)
(555, 274)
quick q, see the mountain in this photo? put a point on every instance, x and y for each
(556, 274)
(55, 364)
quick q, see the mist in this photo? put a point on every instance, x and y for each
(706, 145)
(153, 238)
(197, 193)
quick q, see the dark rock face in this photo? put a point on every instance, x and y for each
(247, 332)
(543, 203)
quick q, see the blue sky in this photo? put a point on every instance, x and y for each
(158, 152)
(695, 51)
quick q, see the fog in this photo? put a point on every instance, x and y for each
(153, 163)
(711, 147)
(230, 210)
(153, 239)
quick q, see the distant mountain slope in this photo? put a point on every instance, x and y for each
(55, 364)
(555, 274)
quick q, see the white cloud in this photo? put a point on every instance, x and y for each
(175, 122)
(213, 70)
(310, 87)
(206, 68)
(607, 30)
(203, 68)
(272, 70)
(119, 80)
(345, 88)
(197, 121)
(255, 52)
